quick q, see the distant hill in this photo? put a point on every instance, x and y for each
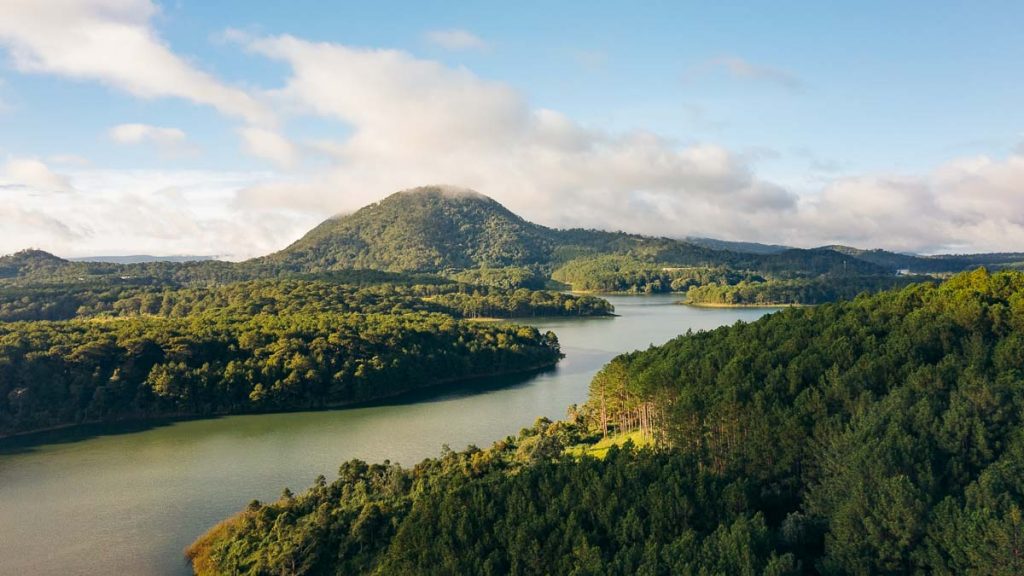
(911, 262)
(735, 246)
(142, 258)
(30, 261)
(425, 230)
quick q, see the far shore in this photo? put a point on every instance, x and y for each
(172, 417)
(724, 305)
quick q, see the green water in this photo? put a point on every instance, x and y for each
(119, 501)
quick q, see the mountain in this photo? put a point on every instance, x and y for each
(432, 229)
(897, 261)
(28, 262)
(423, 229)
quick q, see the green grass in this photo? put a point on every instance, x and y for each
(600, 448)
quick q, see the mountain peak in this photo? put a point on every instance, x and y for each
(443, 190)
(428, 228)
(31, 255)
(26, 261)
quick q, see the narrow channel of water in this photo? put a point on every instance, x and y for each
(123, 501)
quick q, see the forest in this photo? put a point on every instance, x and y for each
(878, 435)
(103, 369)
(809, 291)
(106, 350)
(127, 298)
(610, 274)
(719, 285)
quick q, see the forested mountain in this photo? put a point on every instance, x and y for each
(914, 263)
(881, 435)
(28, 263)
(425, 229)
(33, 267)
(436, 229)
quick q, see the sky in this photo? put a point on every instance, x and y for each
(230, 128)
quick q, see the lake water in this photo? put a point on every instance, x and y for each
(119, 501)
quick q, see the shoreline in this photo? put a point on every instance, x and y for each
(172, 418)
(525, 320)
(723, 305)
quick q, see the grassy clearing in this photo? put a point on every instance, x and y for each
(600, 448)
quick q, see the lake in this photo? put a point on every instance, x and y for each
(127, 501)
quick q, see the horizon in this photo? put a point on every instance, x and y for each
(140, 128)
(447, 190)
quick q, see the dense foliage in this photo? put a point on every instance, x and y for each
(59, 373)
(883, 435)
(817, 290)
(82, 300)
(507, 277)
(613, 273)
(521, 507)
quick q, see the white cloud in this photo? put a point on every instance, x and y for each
(170, 142)
(745, 70)
(112, 41)
(34, 228)
(269, 145)
(32, 173)
(456, 39)
(142, 133)
(964, 205)
(147, 211)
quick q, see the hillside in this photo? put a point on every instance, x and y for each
(424, 229)
(31, 262)
(897, 261)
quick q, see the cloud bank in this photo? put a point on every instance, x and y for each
(111, 41)
(404, 121)
(140, 133)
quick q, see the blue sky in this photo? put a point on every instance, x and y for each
(800, 122)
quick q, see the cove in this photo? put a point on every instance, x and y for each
(128, 500)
